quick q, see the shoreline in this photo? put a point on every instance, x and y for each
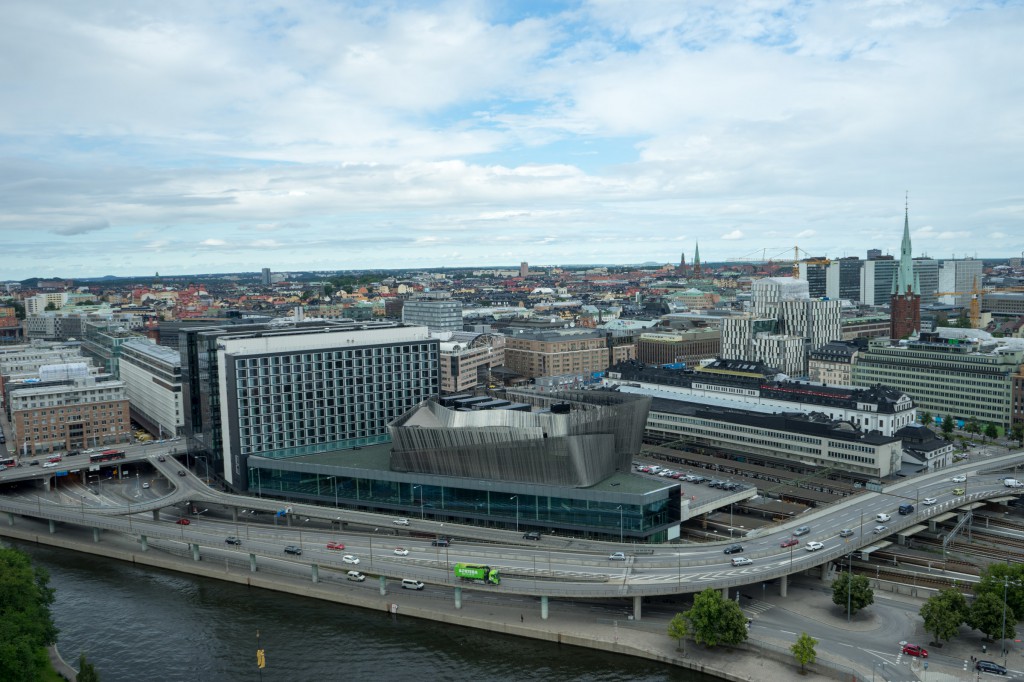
(744, 663)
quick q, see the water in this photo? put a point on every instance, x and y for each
(140, 624)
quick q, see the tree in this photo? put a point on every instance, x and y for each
(1017, 433)
(679, 630)
(972, 426)
(926, 418)
(1002, 578)
(26, 626)
(86, 671)
(947, 425)
(803, 650)
(716, 620)
(943, 614)
(991, 431)
(859, 589)
(986, 615)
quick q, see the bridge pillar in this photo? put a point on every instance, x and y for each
(544, 607)
(783, 585)
(636, 607)
(95, 534)
(824, 571)
(725, 593)
(252, 563)
(195, 551)
(156, 514)
(458, 597)
(316, 573)
(383, 586)
(10, 519)
(144, 542)
(53, 526)
(234, 514)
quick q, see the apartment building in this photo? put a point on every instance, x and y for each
(556, 352)
(467, 358)
(690, 347)
(152, 378)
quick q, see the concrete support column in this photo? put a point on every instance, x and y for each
(288, 520)
(156, 514)
(636, 607)
(783, 585)
(53, 526)
(725, 593)
(458, 597)
(824, 571)
(10, 519)
(544, 607)
(144, 542)
(195, 551)
(383, 586)
(95, 534)
(316, 573)
(252, 563)
(234, 514)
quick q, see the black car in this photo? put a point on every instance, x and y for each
(532, 535)
(440, 542)
(734, 549)
(181, 473)
(161, 458)
(292, 549)
(232, 540)
(990, 667)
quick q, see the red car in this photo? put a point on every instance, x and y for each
(183, 522)
(789, 542)
(335, 545)
(915, 650)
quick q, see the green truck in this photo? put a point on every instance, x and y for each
(478, 573)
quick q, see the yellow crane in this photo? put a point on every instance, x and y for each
(976, 294)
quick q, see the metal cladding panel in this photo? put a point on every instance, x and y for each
(577, 461)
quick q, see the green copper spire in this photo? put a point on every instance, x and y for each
(905, 275)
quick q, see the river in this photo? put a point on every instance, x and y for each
(138, 624)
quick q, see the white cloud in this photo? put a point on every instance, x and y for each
(735, 234)
(213, 242)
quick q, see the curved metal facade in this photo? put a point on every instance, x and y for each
(599, 434)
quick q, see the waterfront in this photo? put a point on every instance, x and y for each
(147, 624)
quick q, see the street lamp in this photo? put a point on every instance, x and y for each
(849, 585)
(620, 522)
(421, 499)
(516, 498)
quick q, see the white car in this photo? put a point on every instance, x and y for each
(813, 546)
(145, 485)
(401, 522)
(959, 479)
(929, 500)
(881, 529)
(741, 561)
(401, 551)
(349, 559)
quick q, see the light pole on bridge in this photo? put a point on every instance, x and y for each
(516, 498)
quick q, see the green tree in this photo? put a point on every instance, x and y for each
(26, 626)
(679, 630)
(947, 425)
(926, 418)
(991, 431)
(972, 426)
(986, 616)
(1002, 578)
(857, 587)
(944, 613)
(716, 620)
(803, 650)
(1017, 433)
(86, 671)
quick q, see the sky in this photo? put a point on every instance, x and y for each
(196, 137)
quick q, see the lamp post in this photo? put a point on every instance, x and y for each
(849, 585)
(1002, 640)
(516, 498)
(421, 499)
(334, 480)
(620, 522)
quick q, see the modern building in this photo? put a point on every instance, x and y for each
(265, 277)
(435, 314)
(556, 351)
(524, 270)
(68, 409)
(752, 385)
(22, 362)
(152, 379)
(864, 327)
(962, 378)
(10, 326)
(877, 277)
(843, 279)
(926, 271)
(1003, 304)
(689, 347)
(467, 359)
(957, 279)
(278, 392)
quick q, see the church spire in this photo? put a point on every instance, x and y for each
(905, 274)
(696, 260)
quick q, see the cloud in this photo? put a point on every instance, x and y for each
(82, 227)
(735, 234)
(213, 242)
(803, 234)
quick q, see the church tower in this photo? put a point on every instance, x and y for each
(696, 261)
(905, 302)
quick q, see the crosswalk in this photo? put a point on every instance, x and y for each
(756, 608)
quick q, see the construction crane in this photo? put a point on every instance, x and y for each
(809, 260)
(976, 295)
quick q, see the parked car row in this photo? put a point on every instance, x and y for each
(656, 470)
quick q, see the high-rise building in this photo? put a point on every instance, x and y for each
(281, 392)
(816, 276)
(843, 277)
(874, 254)
(957, 279)
(265, 277)
(876, 284)
(926, 270)
(152, 379)
(524, 270)
(905, 302)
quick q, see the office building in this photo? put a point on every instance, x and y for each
(152, 379)
(957, 279)
(688, 347)
(524, 270)
(437, 315)
(555, 352)
(265, 277)
(843, 279)
(467, 359)
(877, 277)
(926, 271)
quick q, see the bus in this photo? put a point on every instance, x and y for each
(477, 573)
(107, 456)
(7, 461)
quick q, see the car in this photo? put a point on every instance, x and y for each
(617, 556)
(532, 535)
(929, 500)
(881, 529)
(292, 549)
(335, 545)
(846, 532)
(741, 561)
(440, 542)
(161, 458)
(814, 546)
(183, 522)
(733, 549)
(356, 575)
(989, 667)
(232, 540)
(958, 491)
(33, 463)
(89, 451)
(349, 559)
(802, 530)
(401, 522)
(789, 542)
(959, 479)
(181, 472)
(882, 518)
(145, 485)
(72, 453)
(401, 551)
(915, 650)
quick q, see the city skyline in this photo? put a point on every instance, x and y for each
(345, 137)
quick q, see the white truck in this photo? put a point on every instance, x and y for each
(1012, 483)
